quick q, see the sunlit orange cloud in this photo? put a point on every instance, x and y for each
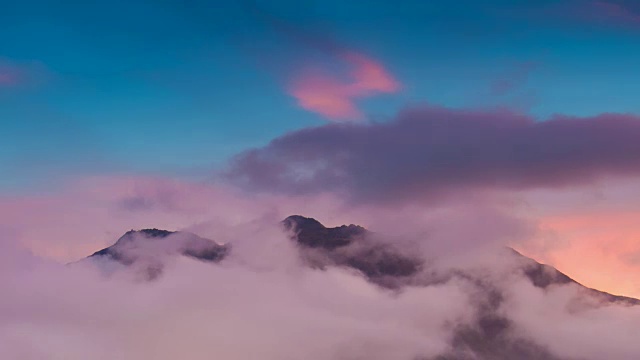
(334, 98)
(594, 238)
(601, 250)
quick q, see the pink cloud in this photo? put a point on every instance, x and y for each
(334, 97)
(598, 229)
(370, 75)
(91, 213)
(325, 95)
(319, 87)
(590, 232)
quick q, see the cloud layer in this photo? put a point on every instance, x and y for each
(263, 302)
(430, 153)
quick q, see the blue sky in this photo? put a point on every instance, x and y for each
(176, 88)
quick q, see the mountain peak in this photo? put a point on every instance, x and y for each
(152, 232)
(136, 245)
(146, 234)
(311, 233)
(298, 221)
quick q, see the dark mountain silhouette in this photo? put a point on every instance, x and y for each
(311, 233)
(349, 245)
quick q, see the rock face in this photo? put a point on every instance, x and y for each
(351, 246)
(311, 233)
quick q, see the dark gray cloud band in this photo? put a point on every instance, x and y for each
(431, 152)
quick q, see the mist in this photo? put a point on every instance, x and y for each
(265, 301)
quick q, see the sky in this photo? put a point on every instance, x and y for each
(299, 99)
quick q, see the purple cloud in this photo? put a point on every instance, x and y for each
(434, 152)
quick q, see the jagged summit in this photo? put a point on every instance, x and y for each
(299, 221)
(310, 232)
(158, 233)
(146, 234)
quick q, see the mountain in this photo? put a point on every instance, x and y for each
(348, 246)
(147, 249)
(543, 276)
(352, 246)
(376, 260)
(491, 336)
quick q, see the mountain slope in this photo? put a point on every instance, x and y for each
(491, 335)
(147, 249)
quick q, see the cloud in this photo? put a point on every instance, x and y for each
(329, 77)
(90, 213)
(73, 313)
(262, 302)
(569, 329)
(434, 153)
(197, 309)
(334, 97)
(590, 232)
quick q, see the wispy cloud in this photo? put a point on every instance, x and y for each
(329, 313)
(330, 76)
